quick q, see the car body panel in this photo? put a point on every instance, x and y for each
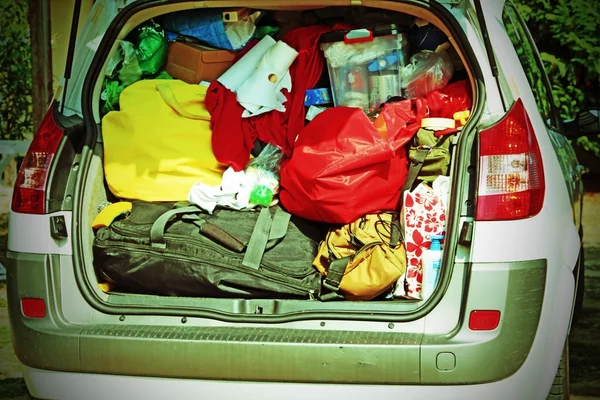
(30, 233)
(363, 352)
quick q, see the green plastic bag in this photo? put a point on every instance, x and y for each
(110, 94)
(130, 71)
(143, 57)
(162, 75)
(151, 48)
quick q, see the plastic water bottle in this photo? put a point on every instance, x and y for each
(432, 263)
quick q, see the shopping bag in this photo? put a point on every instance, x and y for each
(423, 215)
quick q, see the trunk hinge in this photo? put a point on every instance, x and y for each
(70, 52)
(488, 47)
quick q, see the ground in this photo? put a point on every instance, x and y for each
(584, 342)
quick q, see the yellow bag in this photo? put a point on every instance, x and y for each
(358, 260)
(159, 145)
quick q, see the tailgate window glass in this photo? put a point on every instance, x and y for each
(529, 58)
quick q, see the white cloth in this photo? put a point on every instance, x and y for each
(233, 192)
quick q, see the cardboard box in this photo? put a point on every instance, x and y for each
(193, 63)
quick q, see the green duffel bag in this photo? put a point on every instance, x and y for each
(179, 250)
(437, 161)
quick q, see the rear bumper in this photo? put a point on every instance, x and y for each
(167, 349)
(76, 386)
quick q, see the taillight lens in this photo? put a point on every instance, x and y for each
(29, 195)
(511, 180)
(484, 320)
(33, 307)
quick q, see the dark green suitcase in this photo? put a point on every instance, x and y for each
(178, 250)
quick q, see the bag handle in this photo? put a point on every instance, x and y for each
(157, 232)
(279, 227)
(169, 97)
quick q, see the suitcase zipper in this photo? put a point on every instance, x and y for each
(298, 289)
(192, 241)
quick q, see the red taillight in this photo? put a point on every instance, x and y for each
(511, 180)
(484, 320)
(29, 193)
(33, 308)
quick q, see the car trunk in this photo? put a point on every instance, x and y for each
(94, 194)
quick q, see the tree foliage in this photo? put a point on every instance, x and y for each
(15, 71)
(566, 33)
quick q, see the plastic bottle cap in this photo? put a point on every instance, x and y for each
(435, 242)
(438, 124)
(261, 195)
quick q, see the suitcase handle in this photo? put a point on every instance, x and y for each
(157, 233)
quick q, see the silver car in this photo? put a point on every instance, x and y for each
(496, 327)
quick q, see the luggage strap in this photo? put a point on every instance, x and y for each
(267, 232)
(336, 271)
(157, 232)
(416, 163)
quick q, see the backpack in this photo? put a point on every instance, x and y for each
(359, 259)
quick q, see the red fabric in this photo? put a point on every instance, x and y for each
(443, 103)
(233, 136)
(342, 168)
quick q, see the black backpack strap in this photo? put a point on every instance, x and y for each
(331, 282)
(335, 273)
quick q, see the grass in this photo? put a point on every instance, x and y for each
(13, 389)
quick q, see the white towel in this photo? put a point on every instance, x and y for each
(233, 192)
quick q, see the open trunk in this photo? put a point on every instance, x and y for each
(94, 194)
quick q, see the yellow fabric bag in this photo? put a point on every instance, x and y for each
(159, 144)
(358, 259)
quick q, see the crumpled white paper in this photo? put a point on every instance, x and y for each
(259, 77)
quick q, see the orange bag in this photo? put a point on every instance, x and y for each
(358, 259)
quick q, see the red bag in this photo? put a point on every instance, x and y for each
(454, 97)
(342, 168)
